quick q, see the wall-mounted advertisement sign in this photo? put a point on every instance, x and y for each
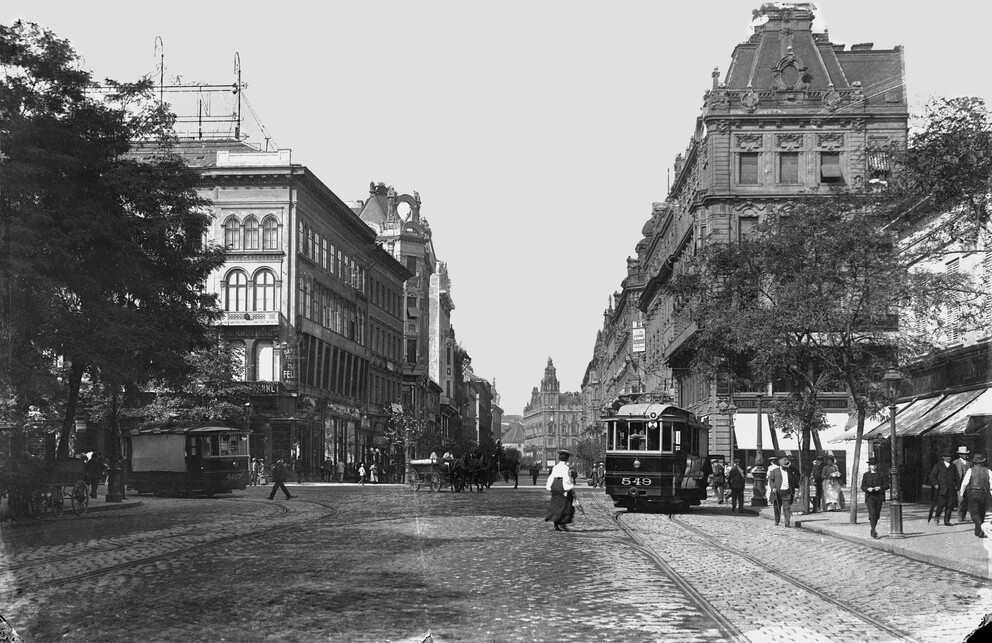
(639, 344)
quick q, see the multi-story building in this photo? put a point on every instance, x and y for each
(794, 115)
(552, 420)
(310, 300)
(408, 238)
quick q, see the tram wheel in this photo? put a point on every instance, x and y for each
(58, 502)
(80, 498)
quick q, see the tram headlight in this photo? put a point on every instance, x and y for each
(637, 464)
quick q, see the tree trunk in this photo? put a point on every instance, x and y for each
(804, 469)
(69, 420)
(853, 498)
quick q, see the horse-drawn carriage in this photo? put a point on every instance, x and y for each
(33, 487)
(437, 474)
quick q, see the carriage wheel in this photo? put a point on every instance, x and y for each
(80, 498)
(58, 502)
(412, 479)
(435, 482)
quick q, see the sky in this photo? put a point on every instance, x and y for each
(537, 133)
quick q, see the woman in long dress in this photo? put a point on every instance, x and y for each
(831, 486)
(560, 510)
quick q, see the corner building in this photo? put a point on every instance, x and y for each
(795, 114)
(310, 301)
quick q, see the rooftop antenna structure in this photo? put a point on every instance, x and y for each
(237, 91)
(160, 52)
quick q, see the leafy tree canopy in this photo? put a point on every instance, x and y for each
(102, 264)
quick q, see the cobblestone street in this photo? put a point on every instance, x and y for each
(375, 563)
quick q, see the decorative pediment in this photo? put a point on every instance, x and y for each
(749, 142)
(831, 142)
(789, 141)
(790, 74)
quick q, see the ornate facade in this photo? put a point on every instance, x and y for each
(552, 420)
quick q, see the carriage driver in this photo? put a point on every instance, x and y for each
(446, 460)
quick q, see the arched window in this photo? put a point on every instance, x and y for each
(251, 233)
(236, 293)
(232, 234)
(264, 362)
(270, 233)
(265, 290)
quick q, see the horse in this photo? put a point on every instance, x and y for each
(506, 467)
(469, 470)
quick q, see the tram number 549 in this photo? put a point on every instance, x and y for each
(637, 482)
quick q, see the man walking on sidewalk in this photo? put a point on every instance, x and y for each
(962, 464)
(976, 485)
(874, 485)
(736, 482)
(783, 483)
(945, 482)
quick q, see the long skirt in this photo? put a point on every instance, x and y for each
(832, 491)
(560, 510)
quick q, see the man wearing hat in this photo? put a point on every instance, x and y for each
(737, 482)
(783, 481)
(962, 464)
(874, 484)
(817, 475)
(976, 485)
(944, 481)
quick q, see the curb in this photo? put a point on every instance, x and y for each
(890, 546)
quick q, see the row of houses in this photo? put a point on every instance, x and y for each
(342, 312)
(794, 114)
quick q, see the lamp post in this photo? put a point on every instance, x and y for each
(892, 379)
(758, 472)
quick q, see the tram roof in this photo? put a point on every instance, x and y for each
(646, 410)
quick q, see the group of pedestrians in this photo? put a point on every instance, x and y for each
(961, 483)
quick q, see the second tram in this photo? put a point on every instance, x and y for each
(654, 457)
(203, 460)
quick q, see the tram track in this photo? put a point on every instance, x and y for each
(707, 540)
(701, 602)
(63, 562)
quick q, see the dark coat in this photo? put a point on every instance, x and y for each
(877, 479)
(944, 480)
(735, 479)
(818, 471)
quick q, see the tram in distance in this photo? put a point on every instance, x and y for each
(654, 457)
(202, 460)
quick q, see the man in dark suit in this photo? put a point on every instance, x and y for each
(817, 484)
(874, 484)
(976, 484)
(945, 482)
(737, 482)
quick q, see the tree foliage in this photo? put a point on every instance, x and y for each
(102, 264)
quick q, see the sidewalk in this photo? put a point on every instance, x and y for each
(956, 547)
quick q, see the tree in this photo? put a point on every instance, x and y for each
(102, 265)
(814, 296)
(591, 445)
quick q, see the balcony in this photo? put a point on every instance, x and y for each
(251, 318)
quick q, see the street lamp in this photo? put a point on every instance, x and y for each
(892, 379)
(758, 472)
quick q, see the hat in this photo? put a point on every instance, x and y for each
(785, 460)
(872, 460)
(963, 451)
(564, 455)
(979, 459)
(947, 454)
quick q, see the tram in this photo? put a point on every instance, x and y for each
(654, 456)
(202, 460)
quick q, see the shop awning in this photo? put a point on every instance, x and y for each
(746, 434)
(907, 414)
(972, 415)
(924, 415)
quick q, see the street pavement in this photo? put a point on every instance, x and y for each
(954, 548)
(381, 563)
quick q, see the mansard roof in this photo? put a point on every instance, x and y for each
(784, 53)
